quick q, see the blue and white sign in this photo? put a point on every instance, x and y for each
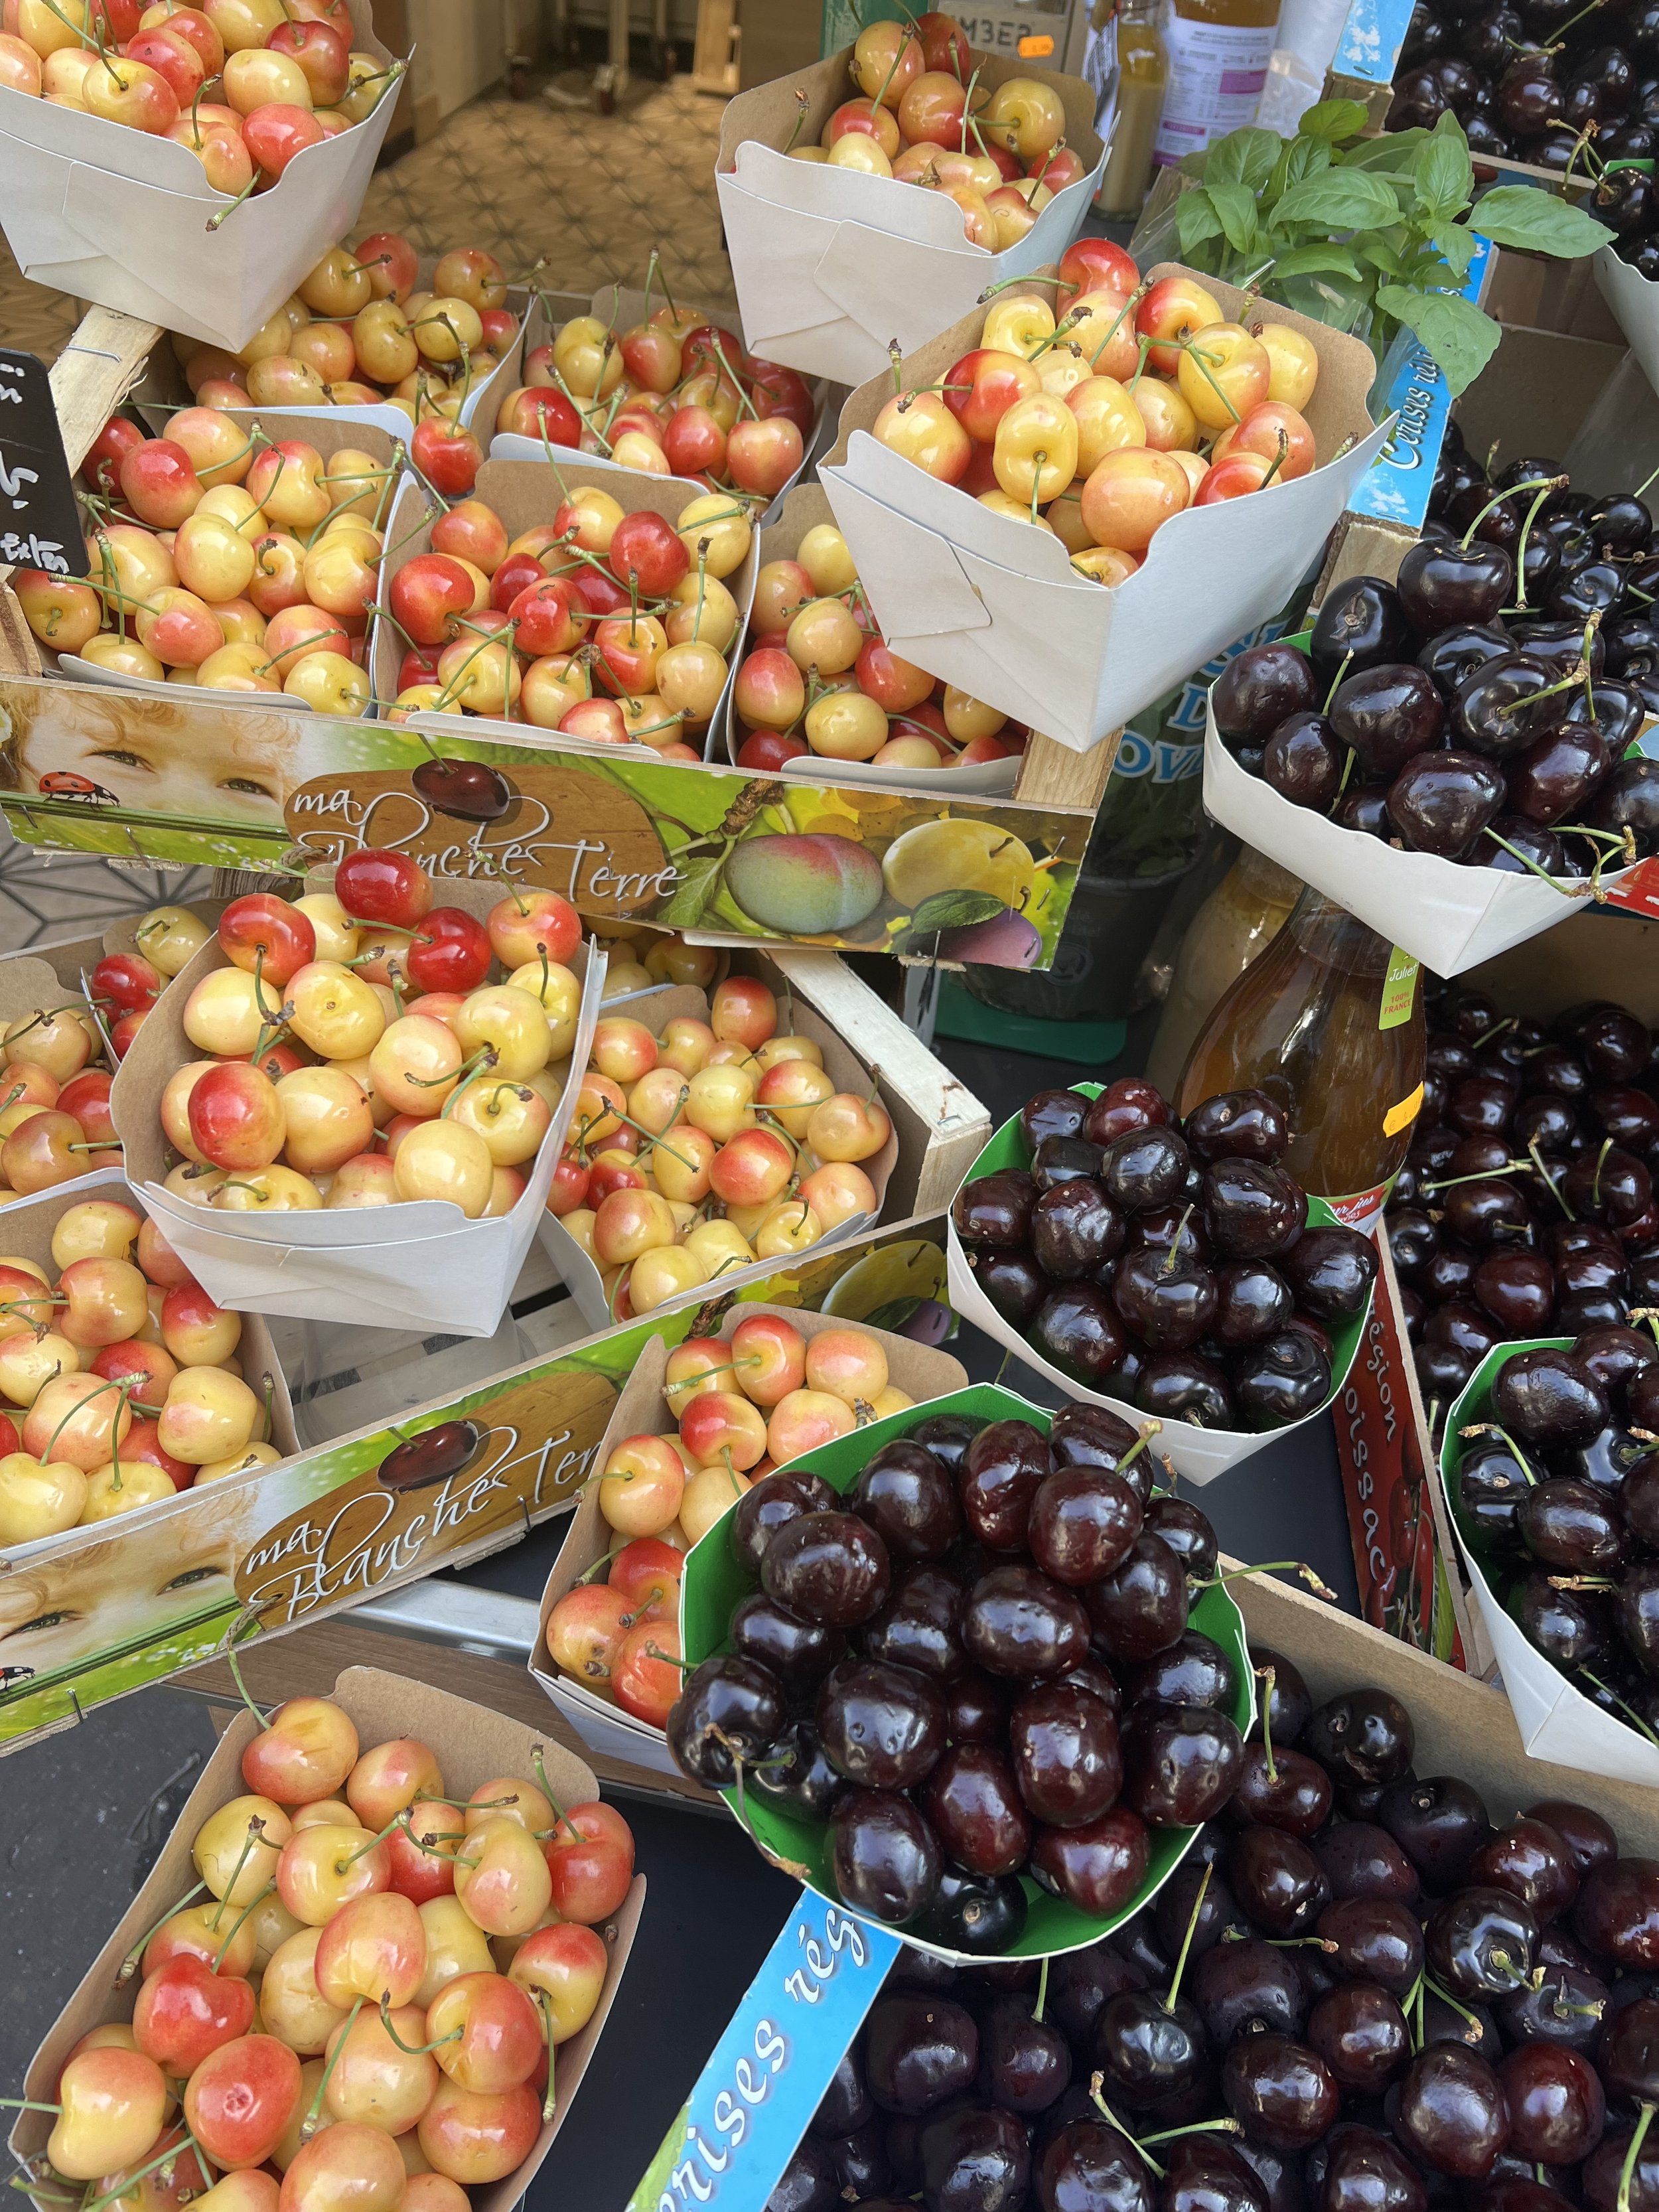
(755, 2098)
(1395, 488)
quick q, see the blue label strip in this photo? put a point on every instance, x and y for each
(1371, 39)
(1396, 486)
(754, 2100)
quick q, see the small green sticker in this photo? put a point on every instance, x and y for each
(1399, 990)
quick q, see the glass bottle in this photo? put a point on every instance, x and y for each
(1143, 73)
(1328, 1021)
(1219, 54)
(1241, 916)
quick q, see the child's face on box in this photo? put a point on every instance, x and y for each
(153, 758)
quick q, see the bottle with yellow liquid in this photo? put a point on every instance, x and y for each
(1143, 73)
(1328, 1021)
(1244, 912)
(1218, 53)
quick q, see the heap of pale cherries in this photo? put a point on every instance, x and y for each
(362, 331)
(119, 1377)
(1101, 417)
(220, 558)
(921, 115)
(366, 2008)
(356, 1053)
(716, 1145)
(675, 394)
(601, 623)
(820, 680)
(740, 1410)
(246, 85)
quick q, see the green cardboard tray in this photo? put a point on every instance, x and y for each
(714, 1582)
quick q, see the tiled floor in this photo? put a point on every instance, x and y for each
(542, 179)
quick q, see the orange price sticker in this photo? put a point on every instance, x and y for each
(1035, 45)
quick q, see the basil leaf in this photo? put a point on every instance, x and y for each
(1236, 206)
(1460, 336)
(1196, 219)
(1455, 246)
(1340, 199)
(1393, 148)
(1242, 157)
(1535, 222)
(1301, 157)
(1379, 254)
(1445, 175)
(1315, 261)
(1330, 119)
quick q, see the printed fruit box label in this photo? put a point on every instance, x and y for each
(84, 1622)
(87, 770)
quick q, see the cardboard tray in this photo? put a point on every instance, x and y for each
(419, 1263)
(674, 1002)
(1199, 1454)
(525, 493)
(997, 607)
(831, 267)
(26, 1228)
(620, 306)
(114, 215)
(473, 1746)
(1634, 299)
(1449, 916)
(714, 1582)
(919, 1369)
(804, 508)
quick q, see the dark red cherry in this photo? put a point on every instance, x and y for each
(1277, 1879)
(1362, 1860)
(918, 1627)
(1444, 582)
(1378, 1940)
(1014, 1283)
(729, 1709)
(1131, 1102)
(828, 1567)
(1088, 1436)
(1005, 1464)
(1052, 1114)
(1303, 761)
(1063, 1159)
(1255, 1210)
(794, 1772)
(1075, 1229)
(1546, 1398)
(1282, 1379)
(1247, 1984)
(1077, 1328)
(1586, 1835)
(995, 1209)
(1440, 1822)
(1451, 2115)
(1279, 2091)
(1259, 687)
(1207, 2173)
(1188, 1532)
(1149, 2051)
(918, 2051)
(1294, 1794)
(1082, 1522)
(947, 1435)
(1439, 803)
(908, 1498)
(1362, 1735)
(799, 1653)
(1239, 1124)
(1024, 2063)
(1098, 1866)
(1066, 1753)
(885, 1858)
(1359, 623)
(1145, 1168)
(1140, 1607)
(1559, 2004)
(1360, 2032)
(765, 1506)
(1166, 1300)
(973, 1799)
(1180, 1764)
(466, 791)
(1089, 2166)
(1532, 1861)
(1557, 2107)
(1018, 1624)
(1192, 1671)
(1616, 1912)
(1365, 2172)
(1183, 1386)
(1388, 714)
(1479, 1942)
(883, 1727)
(975, 1708)
(1331, 1271)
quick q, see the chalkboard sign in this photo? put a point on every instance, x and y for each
(39, 524)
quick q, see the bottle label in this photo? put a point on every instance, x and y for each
(1398, 991)
(1402, 1115)
(1216, 71)
(1361, 1209)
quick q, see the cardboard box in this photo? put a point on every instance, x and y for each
(112, 215)
(473, 1747)
(418, 1263)
(916, 1369)
(1199, 1454)
(676, 1002)
(806, 507)
(997, 607)
(523, 494)
(832, 267)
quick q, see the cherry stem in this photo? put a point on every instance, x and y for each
(252, 1906)
(309, 2125)
(1043, 1991)
(1447, 1998)
(165, 2158)
(413, 2049)
(1634, 1718)
(1174, 1253)
(1336, 681)
(1627, 2172)
(363, 1849)
(1269, 1676)
(544, 2006)
(1187, 1942)
(1526, 862)
(256, 1829)
(1198, 2127)
(1493, 1429)
(1539, 497)
(1275, 1567)
(1112, 2120)
(128, 1965)
(1542, 485)
(559, 1813)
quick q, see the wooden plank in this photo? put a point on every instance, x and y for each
(1052, 775)
(19, 654)
(306, 1662)
(714, 64)
(94, 373)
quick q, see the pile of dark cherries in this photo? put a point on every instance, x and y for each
(1336, 1878)
(1525, 1207)
(1440, 715)
(1559, 1492)
(1526, 94)
(975, 1666)
(1167, 1262)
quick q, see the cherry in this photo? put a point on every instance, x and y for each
(1052, 1114)
(995, 1209)
(918, 1627)
(1180, 1764)
(1573, 1628)
(1191, 1671)
(1559, 2004)
(1360, 2032)
(1364, 1736)
(1237, 1125)
(1586, 1835)
(1097, 1867)
(1207, 2175)
(1088, 2166)
(1129, 1103)
(1443, 583)
(1570, 1526)
(1140, 1607)
(976, 1708)
(1388, 714)
(1075, 1229)
(973, 1802)
(465, 790)
(828, 1567)
(1279, 2091)
(1005, 1466)
(1360, 623)
(1018, 1624)
(1439, 803)
(918, 2051)
(975, 2160)
(1256, 1212)
(1247, 1984)
(1277, 1879)
(881, 1727)
(1365, 2172)
(1145, 1168)
(1303, 761)
(1150, 2048)
(1077, 1329)
(1066, 1757)
(1259, 688)
(1451, 2114)
(1557, 2108)
(730, 1709)
(1546, 1397)
(908, 1496)
(798, 1653)
(1479, 1942)
(1081, 1435)
(1187, 1531)
(1291, 1792)
(1456, 652)
(1013, 1282)
(1168, 1301)
(796, 1774)
(769, 1506)
(1439, 1822)
(1362, 1860)
(1060, 1159)
(1331, 1272)
(885, 1858)
(1083, 1521)
(1024, 2063)
(1281, 1379)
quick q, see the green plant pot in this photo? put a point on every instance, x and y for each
(714, 1582)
